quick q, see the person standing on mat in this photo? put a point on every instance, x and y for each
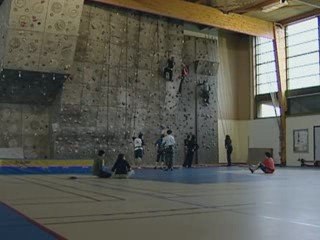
(169, 143)
(229, 148)
(185, 145)
(138, 150)
(121, 168)
(160, 152)
(267, 166)
(192, 147)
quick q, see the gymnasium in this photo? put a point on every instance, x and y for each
(84, 77)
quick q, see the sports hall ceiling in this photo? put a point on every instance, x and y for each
(295, 9)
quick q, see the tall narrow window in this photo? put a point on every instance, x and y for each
(265, 67)
(302, 40)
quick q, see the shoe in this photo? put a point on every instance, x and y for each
(165, 169)
(171, 169)
(155, 168)
(251, 170)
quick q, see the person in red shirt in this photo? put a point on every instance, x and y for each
(267, 166)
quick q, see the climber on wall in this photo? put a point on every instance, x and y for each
(205, 92)
(184, 74)
(168, 70)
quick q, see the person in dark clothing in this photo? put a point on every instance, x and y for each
(160, 152)
(104, 173)
(98, 168)
(229, 148)
(192, 147)
(169, 68)
(184, 74)
(205, 93)
(186, 142)
(121, 167)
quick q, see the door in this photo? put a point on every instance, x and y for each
(316, 135)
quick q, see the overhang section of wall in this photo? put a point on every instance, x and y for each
(42, 35)
(4, 21)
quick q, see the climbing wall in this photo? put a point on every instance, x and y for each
(197, 117)
(4, 19)
(117, 89)
(25, 126)
(40, 35)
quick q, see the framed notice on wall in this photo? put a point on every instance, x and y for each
(300, 140)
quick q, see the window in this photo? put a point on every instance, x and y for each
(302, 40)
(265, 67)
(267, 109)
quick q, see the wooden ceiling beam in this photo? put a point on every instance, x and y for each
(301, 17)
(199, 14)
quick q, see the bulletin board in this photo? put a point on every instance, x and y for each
(300, 140)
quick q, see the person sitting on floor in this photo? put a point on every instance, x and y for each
(99, 169)
(121, 168)
(98, 163)
(267, 166)
(105, 172)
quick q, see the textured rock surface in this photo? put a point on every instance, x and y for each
(41, 35)
(27, 127)
(116, 88)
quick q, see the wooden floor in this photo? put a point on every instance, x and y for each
(259, 207)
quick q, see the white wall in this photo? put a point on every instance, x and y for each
(238, 131)
(261, 133)
(295, 123)
(264, 133)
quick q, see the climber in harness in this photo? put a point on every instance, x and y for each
(168, 70)
(184, 74)
(205, 92)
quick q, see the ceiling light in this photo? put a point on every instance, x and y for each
(274, 6)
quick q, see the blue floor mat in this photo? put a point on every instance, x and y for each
(44, 170)
(14, 226)
(198, 175)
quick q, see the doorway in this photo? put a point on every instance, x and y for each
(316, 142)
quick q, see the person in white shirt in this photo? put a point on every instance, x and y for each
(138, 150)
(169, 143)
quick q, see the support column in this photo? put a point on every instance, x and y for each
(279, 43)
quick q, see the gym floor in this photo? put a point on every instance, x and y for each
(201, 203)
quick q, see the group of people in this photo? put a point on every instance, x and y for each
(165, 148)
